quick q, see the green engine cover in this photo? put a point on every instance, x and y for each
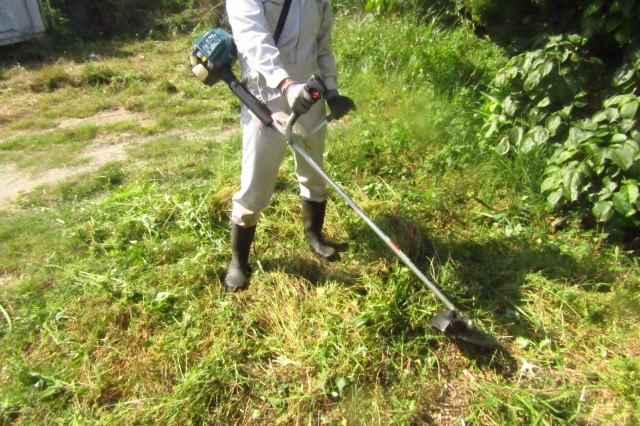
(216, 47)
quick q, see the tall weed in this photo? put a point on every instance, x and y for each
(444, 58)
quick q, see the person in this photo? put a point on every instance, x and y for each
(276, 73)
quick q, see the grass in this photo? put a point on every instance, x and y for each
(113, 310)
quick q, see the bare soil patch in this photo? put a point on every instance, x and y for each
(107, 117)
(14, 181)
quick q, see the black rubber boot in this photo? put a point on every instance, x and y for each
(239, 270)
(313, 219)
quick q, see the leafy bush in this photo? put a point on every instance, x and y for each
(490, 12)
(564, 102)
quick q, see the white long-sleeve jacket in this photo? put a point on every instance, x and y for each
(304, 47)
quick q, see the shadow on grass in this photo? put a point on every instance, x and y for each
(313, 271)
(492, 272)
(40, 52)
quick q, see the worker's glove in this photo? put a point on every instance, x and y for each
(338, 105)
(298, 98)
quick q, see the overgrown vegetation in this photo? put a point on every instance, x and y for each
(565, 103)
(90, 20)
(111, 304)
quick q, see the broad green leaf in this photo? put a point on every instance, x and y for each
(622, 205)
(593, 8)
(619, 100)
(599, 116)
(566, 112)
(609, 184)
(587, 124)
(561, 155)
(628, 110)
(612, 114)
(615, 100)
(623, 74)
(546, 68)
(532, 80)
(576, 136)
(619, 137)
(603, 210)
(527, 145)
(574, 38)
(623, 157)
(574, 185)
(554, 197)
(509, 106)
(544, 103)
(515, 62)
(626, 125)
(605, 193)
(527, 62)
(549, 183)
(615, 6)
(536, 64)
(540, 135)
(566, 174)
(511, 72)
(552, 123)
(630, 191)
(492, 129)
(515, 135)
(585, 168)
(635, 135)
(598, 154)
(503, 147)
(603, 132)
(369, 6)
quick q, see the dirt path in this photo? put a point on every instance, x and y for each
(14, 181)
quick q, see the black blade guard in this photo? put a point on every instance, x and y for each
(451, 322)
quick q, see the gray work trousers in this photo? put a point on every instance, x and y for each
(263, 150)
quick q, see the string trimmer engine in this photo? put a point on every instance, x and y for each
(212, 57)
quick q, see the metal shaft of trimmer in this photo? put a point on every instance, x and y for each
(393, 246)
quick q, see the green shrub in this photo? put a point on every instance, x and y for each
(97, 75)
(88, 19)
(491, 12)
(51, 78)
(553, 100)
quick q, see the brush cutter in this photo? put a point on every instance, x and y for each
(211, 60)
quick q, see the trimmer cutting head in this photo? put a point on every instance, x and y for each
(453, 323)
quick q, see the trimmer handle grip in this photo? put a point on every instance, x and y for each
(315, 88)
